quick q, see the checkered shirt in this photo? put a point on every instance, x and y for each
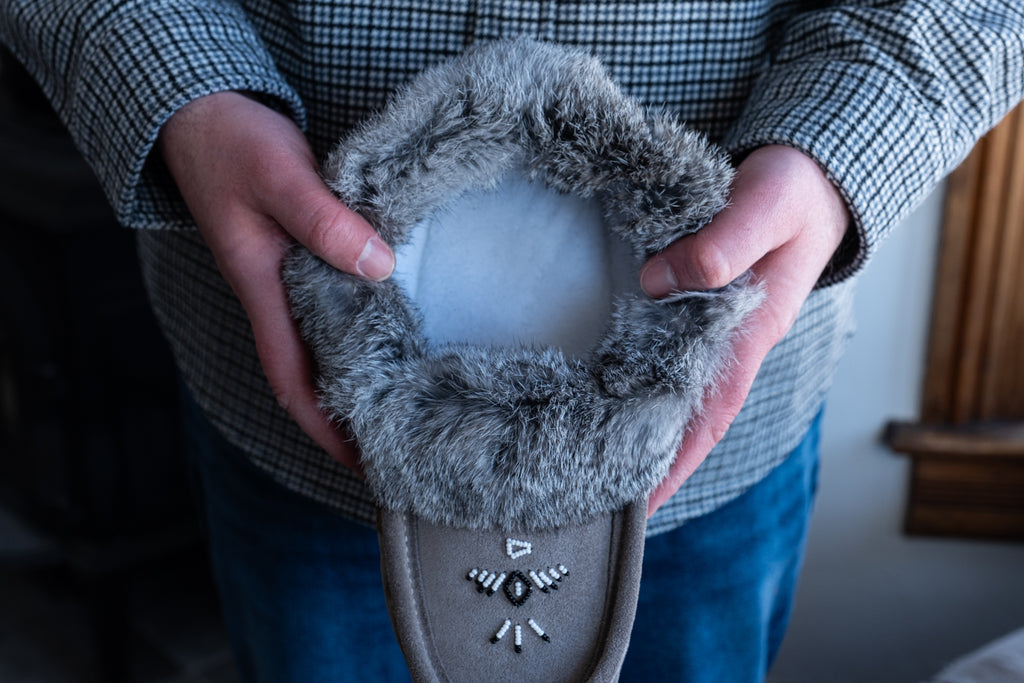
(886, 96)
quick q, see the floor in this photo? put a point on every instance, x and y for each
(47, 632)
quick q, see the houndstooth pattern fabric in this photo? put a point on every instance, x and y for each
(886, 96)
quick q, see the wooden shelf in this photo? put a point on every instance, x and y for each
(966, 481)
(994, 440)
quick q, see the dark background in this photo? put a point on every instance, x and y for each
(103, 576)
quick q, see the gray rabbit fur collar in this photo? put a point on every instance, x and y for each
(518, 438)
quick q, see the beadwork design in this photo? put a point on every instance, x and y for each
(518, 585)
(496, 583)
(517, 588)
(502, 631)
(486, 581)
(538, 630)
(517, 630)
(516, 548)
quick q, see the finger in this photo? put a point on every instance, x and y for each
(288, 368)
(310, 213)
(285, 360)
(785, 289)
(751, 226)
(721, 407)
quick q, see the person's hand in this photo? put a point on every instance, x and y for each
(784, 222)
(252, 184)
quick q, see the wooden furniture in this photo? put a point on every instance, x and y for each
(968, 448)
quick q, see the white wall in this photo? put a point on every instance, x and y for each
(875, 606)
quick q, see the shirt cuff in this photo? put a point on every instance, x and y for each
(874, 142)
(141, 65)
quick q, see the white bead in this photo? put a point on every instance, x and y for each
(516, 548)
(503, 630)
(497, 583)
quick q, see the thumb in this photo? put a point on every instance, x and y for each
(310, 213)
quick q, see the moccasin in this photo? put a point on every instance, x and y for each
(511, 447)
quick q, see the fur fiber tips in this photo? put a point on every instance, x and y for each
(518, 438)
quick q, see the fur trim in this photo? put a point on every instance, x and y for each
(518, 438)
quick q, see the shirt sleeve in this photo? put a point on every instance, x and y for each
(888, 97)
(116, 70)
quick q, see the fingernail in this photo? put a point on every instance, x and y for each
(377, 260)
(657, 278)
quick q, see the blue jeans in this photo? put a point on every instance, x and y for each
(716, 593)
(302, 598)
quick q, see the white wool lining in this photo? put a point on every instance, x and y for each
(519, 264)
